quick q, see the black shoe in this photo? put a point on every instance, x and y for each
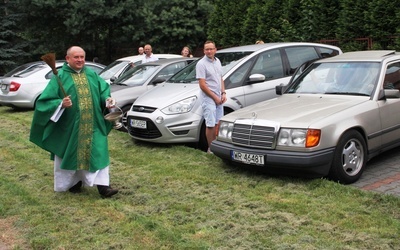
(106, 191)
(76, 188)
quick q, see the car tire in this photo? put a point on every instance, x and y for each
(202, 144)
(350, 158)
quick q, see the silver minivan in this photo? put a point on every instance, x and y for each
(171, 112)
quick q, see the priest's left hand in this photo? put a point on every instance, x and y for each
(110, 102)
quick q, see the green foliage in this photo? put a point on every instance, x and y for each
(12, 43)
(110, 29)
(306, 20)
(170, 25)
(318, 19)
(225, 23)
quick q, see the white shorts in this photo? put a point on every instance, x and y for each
(212, 112)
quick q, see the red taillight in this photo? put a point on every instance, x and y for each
(14, 86)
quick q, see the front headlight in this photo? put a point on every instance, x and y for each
(225, 130)
(180, 107)
(299, 137)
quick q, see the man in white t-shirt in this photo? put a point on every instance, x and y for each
(148, 54)
(209, 74)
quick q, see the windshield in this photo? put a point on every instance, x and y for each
(354, 78)
(137, 76)
(228, 60)
(113, 69)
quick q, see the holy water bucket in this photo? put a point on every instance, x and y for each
(114, 115)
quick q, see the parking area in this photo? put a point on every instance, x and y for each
(382, 174)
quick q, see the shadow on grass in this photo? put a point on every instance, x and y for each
(15, 109)
(248, 170)
(149, 145)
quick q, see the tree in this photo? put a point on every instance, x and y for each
(351, 24)
(109, 29)
(226, 23)
(382, 22)
(12, 44)
(171, 25)
(97, 25)
(318, 19)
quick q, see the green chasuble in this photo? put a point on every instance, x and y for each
(79, 137)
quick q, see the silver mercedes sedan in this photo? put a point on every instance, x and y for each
(327, 122)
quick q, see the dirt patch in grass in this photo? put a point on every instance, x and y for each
(9, 235)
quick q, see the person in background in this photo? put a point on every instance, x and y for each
(148, 54)
(259, 42)
(140, 51)
(186, 52)
(209, 74)
(68, 122)
(96, 59)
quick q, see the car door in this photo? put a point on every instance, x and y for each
(234, 85)
(390, 108)
(268, 64)
(278, 66)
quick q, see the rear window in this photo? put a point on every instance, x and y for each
(24, 69)
(112, 69)
(228, 60)
(31, 70)
(137, 76)
(298, 55)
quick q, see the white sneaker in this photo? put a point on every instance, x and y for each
(209, 151)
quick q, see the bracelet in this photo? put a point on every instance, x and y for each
(222, 93)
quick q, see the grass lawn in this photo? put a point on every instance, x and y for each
(177, 197)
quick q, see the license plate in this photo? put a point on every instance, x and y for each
(247, 158)
(138, 124)
(3, 86)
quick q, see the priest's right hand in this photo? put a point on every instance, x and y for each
(66, 102)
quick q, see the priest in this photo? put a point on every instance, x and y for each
(68, 122)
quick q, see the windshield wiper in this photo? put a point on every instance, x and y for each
(346, 93)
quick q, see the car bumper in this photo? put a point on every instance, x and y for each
(182, 128)
(15, 100)
(313, 163)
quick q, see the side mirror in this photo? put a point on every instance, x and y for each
(255, 78)
(389, 94)
(113, 78)
(158, 80)
(279, 89)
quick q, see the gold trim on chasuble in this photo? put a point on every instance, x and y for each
(86, 120)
